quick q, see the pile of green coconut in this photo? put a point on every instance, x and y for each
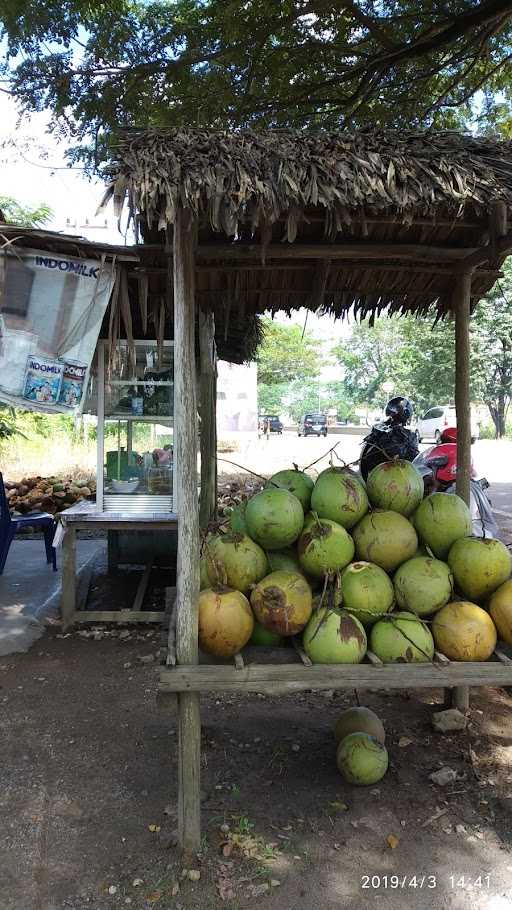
(353, 567)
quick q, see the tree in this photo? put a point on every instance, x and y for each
(271, 398)
(492, 344)
(25, 216)
(371, 356)
(286, 353)
(221, 63)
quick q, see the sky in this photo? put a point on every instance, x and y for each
(32, 178)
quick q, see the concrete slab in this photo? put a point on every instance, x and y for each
(28, 590)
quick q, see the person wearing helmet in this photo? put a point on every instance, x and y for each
(400, 410)
(390, 438)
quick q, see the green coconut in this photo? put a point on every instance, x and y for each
(359, 720)
(324, 548)
(366, 591)
(339, 496)
(237, 520)
(282, 602)
(423, 585)
(362, 759)
(237, 560)
(334, 637)
(395, 485)
(402, 638)
(274, 518)
(297, 482)
(479, 565)
(262, 636)
(385, 538)
(440, 520)
(286, 559)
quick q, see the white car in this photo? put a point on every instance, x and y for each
(437, 419)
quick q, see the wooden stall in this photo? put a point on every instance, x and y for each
(138, 329)
(372, 222)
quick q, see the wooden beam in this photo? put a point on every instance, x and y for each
(208, 439)
(346, 250)
(68, 595)
(121, 616)
(187, 572)
(273, 678)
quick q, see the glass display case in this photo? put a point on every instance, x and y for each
(135, 404)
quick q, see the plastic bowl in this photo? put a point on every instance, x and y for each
(125, 486)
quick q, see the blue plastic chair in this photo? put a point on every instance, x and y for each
(9, 526)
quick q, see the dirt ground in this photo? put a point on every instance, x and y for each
(89, 782)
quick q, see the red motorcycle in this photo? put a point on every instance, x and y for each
(438, 466)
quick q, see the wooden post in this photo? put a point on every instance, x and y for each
(461, 307)
(208, 386)
(462, 310)
(68, 595)
(187, 573)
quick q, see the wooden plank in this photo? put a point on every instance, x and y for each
(208, 398)
(121, 616)
(142, 588)
(187, 574)
(295, 677)
(346, 250)
(68, 597)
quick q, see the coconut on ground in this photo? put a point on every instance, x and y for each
(362, 759)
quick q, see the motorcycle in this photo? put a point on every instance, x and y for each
(390, 438)
(438, 467)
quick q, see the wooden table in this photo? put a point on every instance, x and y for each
(85, 516)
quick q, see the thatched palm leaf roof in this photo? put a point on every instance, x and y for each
(373, 219)
(256, 178)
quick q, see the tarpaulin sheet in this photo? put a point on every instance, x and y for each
(51, 310)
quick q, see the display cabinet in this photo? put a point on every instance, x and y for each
(135, 405)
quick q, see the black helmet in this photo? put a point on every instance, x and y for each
(400, 409)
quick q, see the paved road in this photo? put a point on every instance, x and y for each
(492, 458)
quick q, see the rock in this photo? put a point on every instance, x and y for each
(145, 658)
(112, 889)
(194, 875)
(137, 882)
(274, 883)
(444, 776)
(224, 829)
(460, 829)
(449, 721)
(168, 839)
(295, 747)
(127, 665)
(124, 633)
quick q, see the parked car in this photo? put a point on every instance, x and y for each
(275, 425)
(436, 419)
(313, 425)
